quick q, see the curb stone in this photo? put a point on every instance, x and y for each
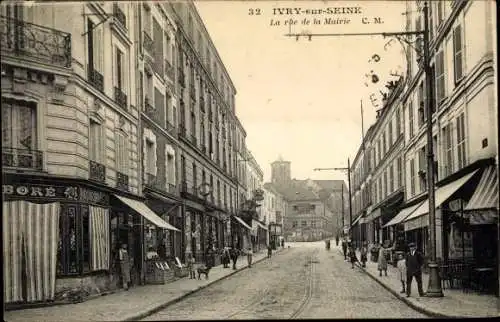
(160, 307)
(417, 308)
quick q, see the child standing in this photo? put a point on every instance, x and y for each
(364, 254)
(402, 270)
(190, 264)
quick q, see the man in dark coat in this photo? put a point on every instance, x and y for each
(344, 248)
(337, 240)
(414, 262)
(234, 252)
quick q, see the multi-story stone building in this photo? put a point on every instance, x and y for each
(70, 147)
(273, 213)
(254, 182)
(464, 129)
(207, 125)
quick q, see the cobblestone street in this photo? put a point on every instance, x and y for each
(305, 282)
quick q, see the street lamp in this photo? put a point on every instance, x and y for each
(434, 288)
(348, 169)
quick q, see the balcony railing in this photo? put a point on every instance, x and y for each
(119, 15)
(169, 70)
(121, 181)
(97, 171)
(152, 181)
(149, 109)
(148, 43)
(96, 79)
(121, 98)
(23, 159)
(41, 43)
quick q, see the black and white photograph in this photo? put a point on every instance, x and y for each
(179, 160)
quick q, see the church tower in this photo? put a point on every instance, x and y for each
(281, 171)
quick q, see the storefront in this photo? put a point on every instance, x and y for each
(240, 233)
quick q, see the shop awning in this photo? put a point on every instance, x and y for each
(402, 215)
(146, 212)
(356, 220)
(374, 215)
(243, 223)
(483, 206)
(442, 194)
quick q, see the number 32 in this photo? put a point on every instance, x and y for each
(252, 12)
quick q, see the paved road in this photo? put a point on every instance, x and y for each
(305, 282)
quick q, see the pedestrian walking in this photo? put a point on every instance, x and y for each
(364, 254)
(402, 270)
(226, 258)
(269, 251)
(344, 248)
(337, 240)
(352, 255)
(283, 243)
(190, 265)
(382, 258)
(249, 256)
(124, 266)
(414, 262)
(234, 256)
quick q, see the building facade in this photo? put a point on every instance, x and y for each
(70, 142)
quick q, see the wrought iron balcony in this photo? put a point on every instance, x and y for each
(153, 182)
(96, 79)
(121, 98)
(169, 70)
(97, 171)
(47, 45)
(170, 127)
(119, 15)
(148, 43)
(149, 109)
(121, 181)
(22, 159)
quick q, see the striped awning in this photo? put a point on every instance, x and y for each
(483, 206)
(442, 194)
(242, 222)
(402, 215)
(146, 212)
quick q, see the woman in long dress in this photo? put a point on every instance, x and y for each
(124, 266)
(382, 260)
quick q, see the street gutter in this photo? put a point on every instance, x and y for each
(160, 307)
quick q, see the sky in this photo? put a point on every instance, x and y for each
(301, 99)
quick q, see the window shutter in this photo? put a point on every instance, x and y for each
(457, 52)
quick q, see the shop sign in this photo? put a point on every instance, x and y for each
(94, 197)
(36, 191)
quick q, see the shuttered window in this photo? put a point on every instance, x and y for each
(440, 80)
(121, 152)
(458, 53)
(462, 155)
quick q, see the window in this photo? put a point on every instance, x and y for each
(195, 177)
(183, 168)
(379, 150)
(170, 169)
(422, 165)
(95, 54)
(70, 241)
(410, 119)
(421, 105)
(462, 156)
(412, 177)
(119, 74)
(150, 158)
(391, 178)
(121, 144)
(390, 134)
(95, 141)
(19, 134)
(202, 132)
(398, 122)
(447, 168)
(218, 192)
(457, 53)
(440, 81)
(304, 223)
(399, 167)
(294, 224)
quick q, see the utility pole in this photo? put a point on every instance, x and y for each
(434, 287)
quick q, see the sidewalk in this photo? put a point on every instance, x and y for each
(454, 304)
(131, 305)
